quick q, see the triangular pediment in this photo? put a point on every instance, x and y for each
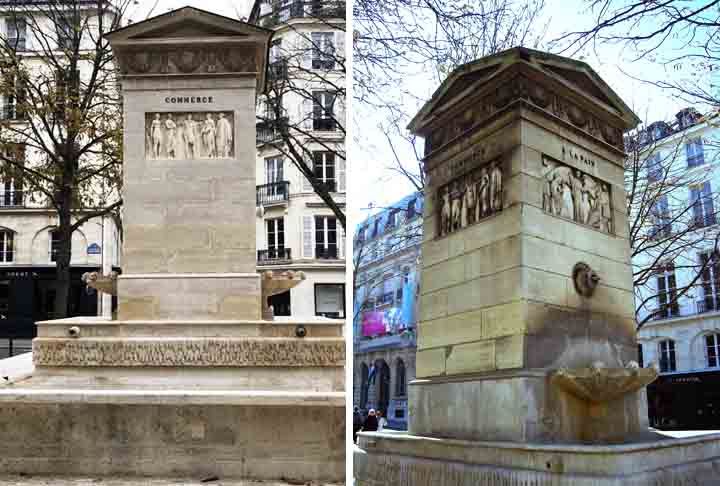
(486, 73)
(186, 22)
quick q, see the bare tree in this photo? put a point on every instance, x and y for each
(63, 114)
(399, 39)
(672, 214)
(310, 73)
(680, 36)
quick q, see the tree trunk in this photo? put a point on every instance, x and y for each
(62, 263)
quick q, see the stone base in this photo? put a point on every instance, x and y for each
(189, 296)
(263, 435)
(395, 459)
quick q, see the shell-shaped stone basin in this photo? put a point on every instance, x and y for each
(273, 283)
(599, 384)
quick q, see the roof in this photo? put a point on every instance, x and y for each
(575, 75)
(382, 216)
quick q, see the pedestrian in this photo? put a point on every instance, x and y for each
(357, 422)
(382, 422)
(371, 422)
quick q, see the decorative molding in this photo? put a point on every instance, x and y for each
(235, 352)
(522, 88)
(470, 198)
(189, 135)
(572, 194)
(188, 60)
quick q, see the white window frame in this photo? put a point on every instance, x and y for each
(50, 242)
(6, 234)
(667, 352)
(716, 346)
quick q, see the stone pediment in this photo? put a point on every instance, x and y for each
(570, 90)
(186, 22)
(190, 41)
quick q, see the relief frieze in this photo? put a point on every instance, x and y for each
(191, 352)
(189, 135)
(470, 198)
(188, 60)
(572, 194)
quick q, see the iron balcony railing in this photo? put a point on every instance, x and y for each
(278, 70)
(329, 253)
(274, 192)
(274, 256)
(317, 9)
(269, 131)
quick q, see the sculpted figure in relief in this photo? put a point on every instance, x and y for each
(484, 193)
(470, 202)
(171, 140)
(208, 136)
(445, 212)
(496, 188)
(605, 212)
(189, 136)
(224, 136)
(456, 223)
(156, 136)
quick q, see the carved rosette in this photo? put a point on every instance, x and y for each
(572, 194)
(194, 352)
(470, 198)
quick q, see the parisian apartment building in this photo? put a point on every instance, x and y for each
(680, 331)
(296, 230)
(386, 260)
(28, 240)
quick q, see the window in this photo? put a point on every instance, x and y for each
(330, 300)
(364, 377)
(16, 29)
(323, 110)
(654, 167)
(275, 237)
(66, 25)
(710, 282)
(376, 228)
(694, 152)
(11, 188)
(702, 205)
(411, 209)
(54, 245)
(640, 356)
(67, 86)
(13, 101)
(392, 218)
(667, 292)
(275, 188)
(323, 50)
(712, 344)
(326, 241)
(400, 379)
(667, 356)
(7, 249)
(661, 220)
(324, 169)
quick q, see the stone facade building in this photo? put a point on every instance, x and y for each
(387, 262)
(296, 230)
(682, 334)
(28, 241)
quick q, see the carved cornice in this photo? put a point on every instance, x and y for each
(193, 352)
(159, 59)
(520, 87)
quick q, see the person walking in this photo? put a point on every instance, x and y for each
(357, 422)
(382, 422)
(371, 422)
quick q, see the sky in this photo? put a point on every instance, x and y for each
(374, 185)
(142, 8)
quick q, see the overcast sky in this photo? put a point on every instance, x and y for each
(228, 8)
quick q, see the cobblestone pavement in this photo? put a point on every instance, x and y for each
(97, 481)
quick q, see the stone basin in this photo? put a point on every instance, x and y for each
(599, 384)
(106, 284)
(273, 283)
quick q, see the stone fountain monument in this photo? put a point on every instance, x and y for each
(189, 381)
(526, 345)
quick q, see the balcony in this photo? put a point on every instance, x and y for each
(269, 131)
(278, 71)
(329, 253)
(708, 304)
(272, 193)
(274, 256)
(315, 9)
(324, 124)
(12, 199)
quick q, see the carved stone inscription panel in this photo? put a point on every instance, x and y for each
(470, 198)
(189, 135)
(572, 194)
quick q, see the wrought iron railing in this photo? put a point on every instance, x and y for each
(329, 253)
(278, 70)
(274, 256)
(274, 192)
(319, 9)
(269, 131)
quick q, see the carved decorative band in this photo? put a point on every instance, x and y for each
(188, 60)
(572, 194)
(470, 198)
(188, 352)
(189, 135)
